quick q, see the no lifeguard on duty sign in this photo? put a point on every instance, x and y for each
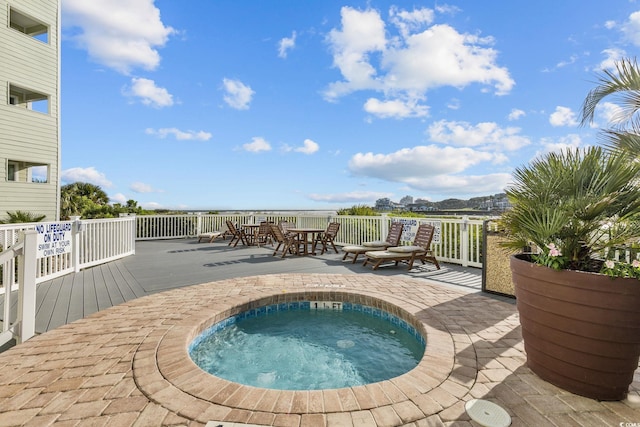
(54, 238)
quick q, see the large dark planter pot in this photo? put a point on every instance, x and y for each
(581, 330)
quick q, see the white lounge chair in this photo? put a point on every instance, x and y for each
(393, 239)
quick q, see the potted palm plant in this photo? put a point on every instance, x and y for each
(579, 311)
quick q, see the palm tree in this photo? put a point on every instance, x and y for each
(579, 200)
(19, 217)
(132, 206)
(623, 85)
(91, 192)
(79, 197)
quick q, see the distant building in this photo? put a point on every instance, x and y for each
(420, 207)
(29, 107)
(501, 202)
(386, 205)
(495, 203)
(406, 201)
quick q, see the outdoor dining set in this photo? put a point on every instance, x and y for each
(289, 239)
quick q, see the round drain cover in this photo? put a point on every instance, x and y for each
(487, 414)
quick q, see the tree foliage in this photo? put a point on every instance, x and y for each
(358, 210)
(578, 203)
(622, 85)
(19, 217)
(90, 201)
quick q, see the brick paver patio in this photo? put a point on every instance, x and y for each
(128, 365)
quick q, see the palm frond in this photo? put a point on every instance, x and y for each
(625, 81)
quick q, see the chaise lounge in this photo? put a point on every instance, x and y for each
(393, 239)
(419, 250)
(210, 236)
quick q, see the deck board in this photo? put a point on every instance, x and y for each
(76, 297)
(102, 292)
(115, 295)
(44, 310)
(13, 308)
(60, 309)
(168, 264)
(90, 300)
(137, 290)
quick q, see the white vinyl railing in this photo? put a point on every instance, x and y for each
(459, 239)
(29, 260)
(18, 266)
(93, 242)
(105, 240)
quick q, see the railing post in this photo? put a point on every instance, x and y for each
(198, 223)
(132, 232)
(464, 241)
(384, 226)
(27, 287)
(75, 242)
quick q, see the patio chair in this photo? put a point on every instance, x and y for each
(419, 250)
(264, 235)
(225, 232)
(286, 225)
(210, 236)
(327, 238)
(288, 242)
(393, 239)
(237, 234)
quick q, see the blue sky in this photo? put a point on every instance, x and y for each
(290, 104)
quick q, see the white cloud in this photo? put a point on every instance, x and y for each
(418, 162)
(395, 108)
(409, 22)
(485, 136)
(141, 187)
(309, 147)
(412, 62)
(362, 33)
(238, 95)
(350, 197)
(572, 59)
(463, 184)
(611, 113)
(256, 145)
(416, 168)
(89, 175)
(440, 56)
(179, 134)
(149, 93)
(286, 44)
(631, 28)
(516, 114)
(453, 104)
(151, 205)
(549, 145)
(118, 198)
(563, 116)
(612, 56)
(121, 34)
(447, 9)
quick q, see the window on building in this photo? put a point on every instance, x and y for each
(29, 99)
(28, 25)
(12, 171)
(27, 172)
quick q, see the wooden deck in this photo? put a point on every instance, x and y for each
(167, 264)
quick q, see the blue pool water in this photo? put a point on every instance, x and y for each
(308, 349)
